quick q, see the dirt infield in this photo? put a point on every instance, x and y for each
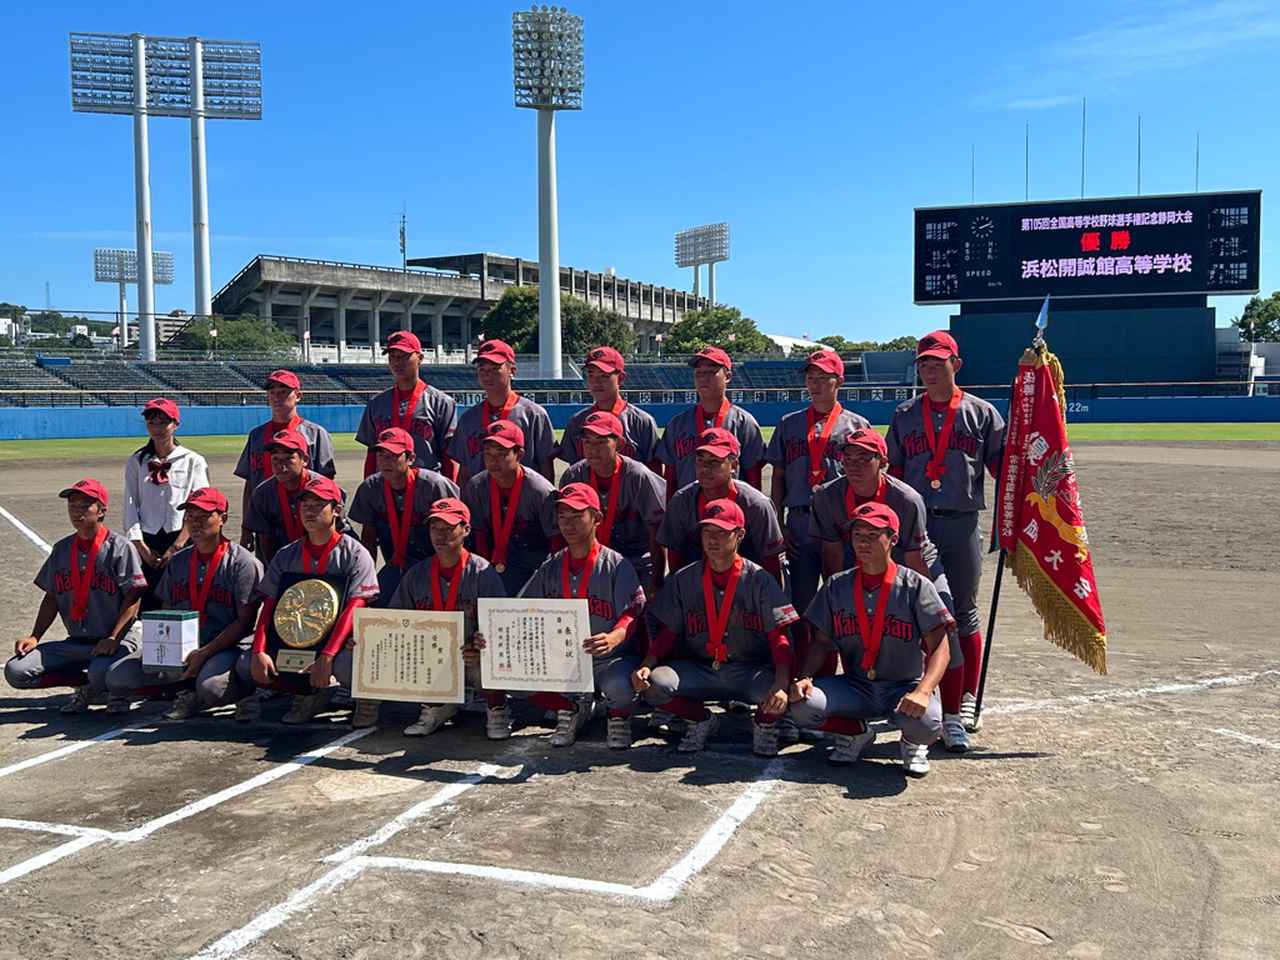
(1124, 816)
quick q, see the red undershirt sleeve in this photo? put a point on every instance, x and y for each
(755, 476)
(780, 647)
(264, 617)
(660, 647)
(626, 622)
(675, 560)
(342, 629)
(774, 565)
(671, 481)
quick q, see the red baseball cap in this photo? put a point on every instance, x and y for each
(451, 509)
(718, 442)
(579, 496)
(937, 344)
(607, 359)
(505, 434)
(725, 514)
(89, 487)
(289, 440)
(867, 439)
(828, 361)
(404, 340)
(395, 440)
(495, 351)
(206, 498)
(286, 378)
(318, 485)
(714, 355)
(878, 515)
(603, 424)
(165, 406)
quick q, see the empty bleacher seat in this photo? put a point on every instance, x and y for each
(26, 385)
(117, 383)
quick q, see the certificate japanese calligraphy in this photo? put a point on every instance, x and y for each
(535, 645)
(413, 655)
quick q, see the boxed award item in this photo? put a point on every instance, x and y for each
(168, 636)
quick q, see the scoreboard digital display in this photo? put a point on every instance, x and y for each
(1198, 243)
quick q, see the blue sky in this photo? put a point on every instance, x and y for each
(814, 129)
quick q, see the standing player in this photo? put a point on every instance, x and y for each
(716, 463)
(322, 551)
(585, 570)
(92, 580)
(512, 517)
(427, 414)
(725, 619)
(218, 579)
(605, 374)
(632, 495)
(392, 505)
(274, 516)
(495, 367)
(712, 371)
(940, 443)
(453, 578)
(879, 615)
(805, 455)
(284, 393)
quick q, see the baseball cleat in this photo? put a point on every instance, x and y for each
(788, 730)
(619, 735)
(764, 739)
(365, 714)
(117, 706)
(497, 722)
(249, 709)
(432, 718)
(968, 713)
(185, 706)
(568, 723)
(79, 702)
(662, 722)
(305, 706)
(915, 758)
(695, 737)
(953, 735)
(848, 748)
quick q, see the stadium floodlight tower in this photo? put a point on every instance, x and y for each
(167, 77)
(546, 44)
(707, 244)
(119, 266)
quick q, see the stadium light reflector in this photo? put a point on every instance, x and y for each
(116, 265)
(708, 243)
(546, 45)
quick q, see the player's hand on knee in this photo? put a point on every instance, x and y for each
(24, 646)
(321, 671)
(105, 647)
(263, 670)
(640, 679)
(800, 690)
(774, 703)
(195, 661)
(913, 705)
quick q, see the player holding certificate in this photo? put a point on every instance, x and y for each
(584, 570)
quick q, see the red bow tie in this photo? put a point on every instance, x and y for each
(159, 470)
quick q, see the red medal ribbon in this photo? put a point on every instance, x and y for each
(718, 617)
(400, 525)
(938, 446)
(197, 589)
(703, 419)
(818, 441)
(288, 512)
(269, 430)
(566, 590)
(80, 582)
(501, 525)
(852, 500)
(397, 398)
(437, 603)
(316, 559)
(605, 532)
(487, 415)
(618, 407)
(871, 635)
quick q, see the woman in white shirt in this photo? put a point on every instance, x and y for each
(157, 479)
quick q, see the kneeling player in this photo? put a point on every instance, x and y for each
(879, 615)
(93, 580)
(454, 578)
(732, 617)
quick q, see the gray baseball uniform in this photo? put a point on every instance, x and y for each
(434, 418)
(264, 514)
(833, 503)
(639, 509)
(680, 531)
(531, 530)
(254, 465)
(479, 579)
(680, 440)
(349, 560)
(467, 445)
(369, 505)
(639, 434)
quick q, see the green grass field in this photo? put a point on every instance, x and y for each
(111, 448)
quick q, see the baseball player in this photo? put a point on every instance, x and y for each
(712, 371)
(157, 478)
(284, 393)
(219, 579)
(323, 550)
(879, 615)
(92, 580)
(495, 367)
(940, 443)
(605, 373)
(428, 415)
(512, 519)
(805, 455)
(273, 515)
(453, 578)
(587, 570)
(392, 505)
(631, 493)
(716, 463)
(722, 636)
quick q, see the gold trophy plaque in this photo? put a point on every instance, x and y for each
(306, 612)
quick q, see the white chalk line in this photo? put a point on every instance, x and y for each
(26, 531)
(529, 878)
(65, 829)
(43, 860)
(70, 749)
(1075, 701)
(1247, 738)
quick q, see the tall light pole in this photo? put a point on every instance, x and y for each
(119, 266)
(546, 44)
(707, 244)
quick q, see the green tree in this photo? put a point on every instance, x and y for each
(846, 347)
(724, 327)
(244, 334)
(514, 319)
(1260, 321)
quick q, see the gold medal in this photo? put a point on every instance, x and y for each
(500, 567)
(871, 674)
(936, 484)
(305, 613)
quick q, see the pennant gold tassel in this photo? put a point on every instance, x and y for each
(1064, 625)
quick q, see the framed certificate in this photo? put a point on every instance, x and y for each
(535, 645)
(412, 655)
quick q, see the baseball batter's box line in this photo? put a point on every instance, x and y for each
(26, 531)
(1247, 738)
(71, 748)
(85, 837)
(352, 862)
(1076, 701)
